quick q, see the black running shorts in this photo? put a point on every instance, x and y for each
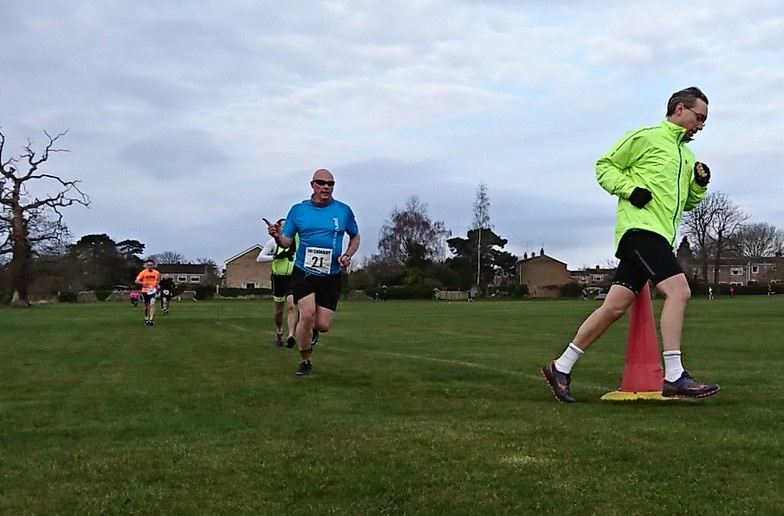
(644, 256)
(281, 286)
(326, 288)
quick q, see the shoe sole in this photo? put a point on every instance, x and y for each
(543, 370)
(698, 396)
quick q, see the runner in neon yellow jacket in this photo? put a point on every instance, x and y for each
(656, 159)
(656, 179)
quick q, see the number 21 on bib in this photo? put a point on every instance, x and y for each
(318, 259)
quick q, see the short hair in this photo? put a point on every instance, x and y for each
(149, 260)
(688, 97)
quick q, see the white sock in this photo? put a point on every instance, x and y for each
(566, 361)
(673, 369)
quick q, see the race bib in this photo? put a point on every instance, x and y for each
(166, 292)
(318, 259)
(151, 291)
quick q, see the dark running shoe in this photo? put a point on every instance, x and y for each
(279, 340)
(688, 387)
(291, 342)
(314, 338)
(152, 323)
(304, 368)
(558, 382)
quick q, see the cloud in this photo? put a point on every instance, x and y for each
(223, 110)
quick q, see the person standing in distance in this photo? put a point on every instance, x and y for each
(148, 279)
(282, 259)
(321, 223)
(656, 178)
(166, 287)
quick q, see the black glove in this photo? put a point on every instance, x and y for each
(640, 197)
(701, 174)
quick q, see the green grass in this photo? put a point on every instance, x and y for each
(413, 408)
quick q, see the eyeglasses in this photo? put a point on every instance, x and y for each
(322, 182)
(701, 118)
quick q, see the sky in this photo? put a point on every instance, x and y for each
(187, 122)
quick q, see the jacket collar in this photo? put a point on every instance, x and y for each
(675, 130)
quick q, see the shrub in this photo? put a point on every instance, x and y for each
(67, 297)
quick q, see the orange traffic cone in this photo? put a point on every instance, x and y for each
(642, 374)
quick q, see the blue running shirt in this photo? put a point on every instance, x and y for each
(321, 230)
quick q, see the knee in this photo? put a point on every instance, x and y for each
(614, 311)
(307, 318)
(681, 294)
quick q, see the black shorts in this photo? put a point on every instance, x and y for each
(644, 256)
(163, 294)
(326, 288)
(147, 298)
(281, 286)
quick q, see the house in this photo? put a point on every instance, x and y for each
(189, 273)
(543, 275)
(596, 277)
(243, 271)
(741, 271)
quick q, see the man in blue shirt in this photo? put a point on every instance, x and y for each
(321, 222)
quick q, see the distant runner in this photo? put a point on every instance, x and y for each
(148, 279)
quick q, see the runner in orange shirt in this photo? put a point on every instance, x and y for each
(148, 279)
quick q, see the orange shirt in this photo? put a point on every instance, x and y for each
(149, 279)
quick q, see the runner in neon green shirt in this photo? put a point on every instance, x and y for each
(656, 178)
(282, 259)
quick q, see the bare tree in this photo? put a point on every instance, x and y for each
(167, 257)
(758, 239)
(410, 231)
(28, 222)
(727, 221)
(480, 222)
(697, 225)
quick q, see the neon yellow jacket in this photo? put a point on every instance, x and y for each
(654, 158)
(283, 261)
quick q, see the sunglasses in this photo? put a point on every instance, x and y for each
(322, 182)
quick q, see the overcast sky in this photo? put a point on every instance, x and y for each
(190, 121)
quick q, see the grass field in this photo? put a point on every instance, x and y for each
(413, 408)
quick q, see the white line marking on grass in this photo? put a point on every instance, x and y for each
(537, 377)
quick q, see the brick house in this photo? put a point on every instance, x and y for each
(243, 271)
(741, 271)
(189, 273)
(596, 277)
(544, 276)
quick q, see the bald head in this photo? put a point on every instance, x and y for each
(322, 184)
(324, 174)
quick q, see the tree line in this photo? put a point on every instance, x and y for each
(419, 254)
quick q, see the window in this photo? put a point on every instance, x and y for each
(182, 279)
(755, 269)
(250, 285)
(736, 283)
(736, 271)
(195, 279)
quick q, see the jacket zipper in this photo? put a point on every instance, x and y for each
(678, 203)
